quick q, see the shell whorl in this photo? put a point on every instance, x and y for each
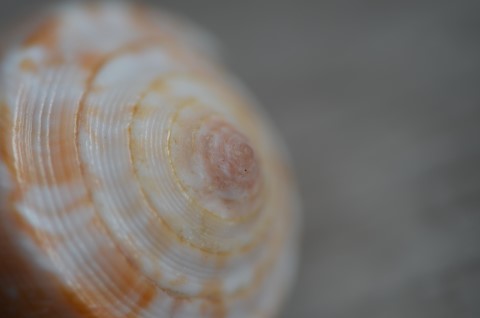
(137, 178)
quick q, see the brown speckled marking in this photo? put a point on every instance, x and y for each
(43, 240)
(130, 275)
(126, 275)
(6, 137)
(45, 34)
(89, 59)
(147, 295)
(62, 150)
(179, 281)
(28, 66)
(82, 201)
(59, 153)
(75, 300)
(159, 85)
(63, 153)
(212, 290)
(214, 293)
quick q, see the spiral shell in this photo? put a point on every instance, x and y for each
(137, 178)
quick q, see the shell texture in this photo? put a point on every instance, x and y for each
(137, 178)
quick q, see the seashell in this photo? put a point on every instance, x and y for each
(137, 177)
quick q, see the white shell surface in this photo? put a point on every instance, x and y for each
(137, 178)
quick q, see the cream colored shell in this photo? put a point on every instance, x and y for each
(137, 178)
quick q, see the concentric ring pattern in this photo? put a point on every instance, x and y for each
(137, 178)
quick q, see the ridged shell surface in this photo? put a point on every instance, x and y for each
(137, 178)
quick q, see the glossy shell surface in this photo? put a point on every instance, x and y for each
(137, 177)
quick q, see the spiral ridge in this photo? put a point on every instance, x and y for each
(138, 175)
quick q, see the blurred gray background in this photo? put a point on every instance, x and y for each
(379, 102)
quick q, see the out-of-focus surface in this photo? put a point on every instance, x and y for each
(380, 106)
